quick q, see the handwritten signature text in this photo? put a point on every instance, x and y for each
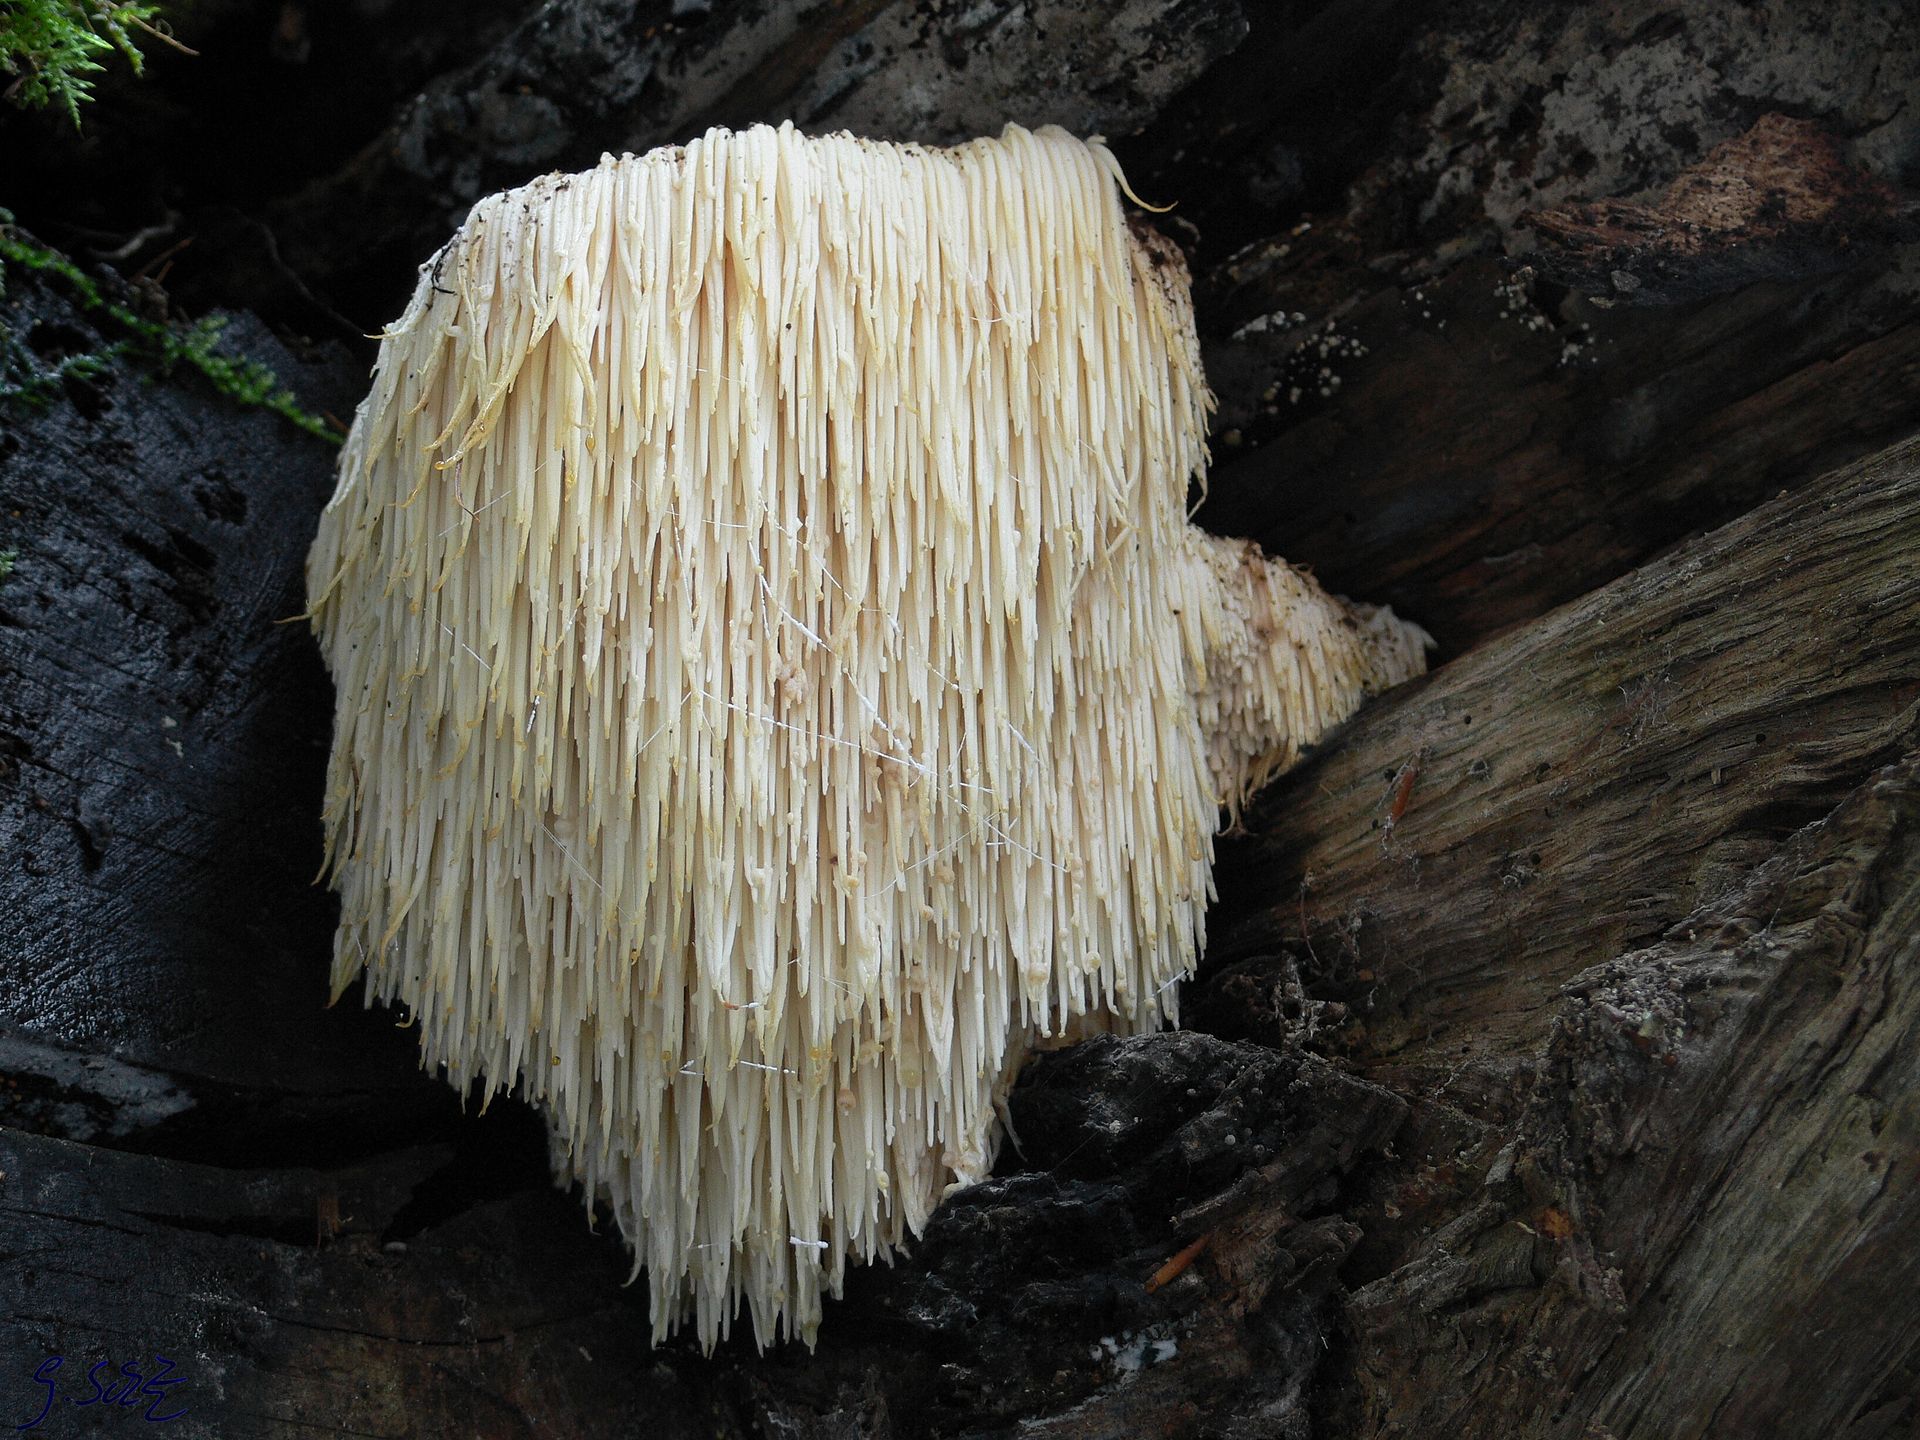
(127, 1388)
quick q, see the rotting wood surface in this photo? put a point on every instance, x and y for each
(1582, 783)
(1638, 946)
(1704, 1221)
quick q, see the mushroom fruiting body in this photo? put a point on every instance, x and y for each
(778, 685)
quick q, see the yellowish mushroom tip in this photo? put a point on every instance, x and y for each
(1146, 205)
(801, 694)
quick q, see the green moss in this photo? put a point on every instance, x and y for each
(165, 348)
(53, 48)
(8, 559)
(26, 380)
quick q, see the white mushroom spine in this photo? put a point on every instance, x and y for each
(778, 686)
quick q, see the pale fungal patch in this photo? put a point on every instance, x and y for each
(778, 685)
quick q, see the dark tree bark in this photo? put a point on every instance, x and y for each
(1551, 1072)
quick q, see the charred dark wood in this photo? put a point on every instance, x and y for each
(1156, 1257)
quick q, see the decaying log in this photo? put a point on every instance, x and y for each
(1155, 1258)
(1704, 1222)
(1478, 443)
(1778, 202)
(1570, 791)
(1625, 904)
(161, 742)
(577, 79)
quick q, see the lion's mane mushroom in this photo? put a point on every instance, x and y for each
(778, 684)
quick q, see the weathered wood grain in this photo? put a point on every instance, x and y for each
(1570, 791)
(1624, 903)
(1706, 1221)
